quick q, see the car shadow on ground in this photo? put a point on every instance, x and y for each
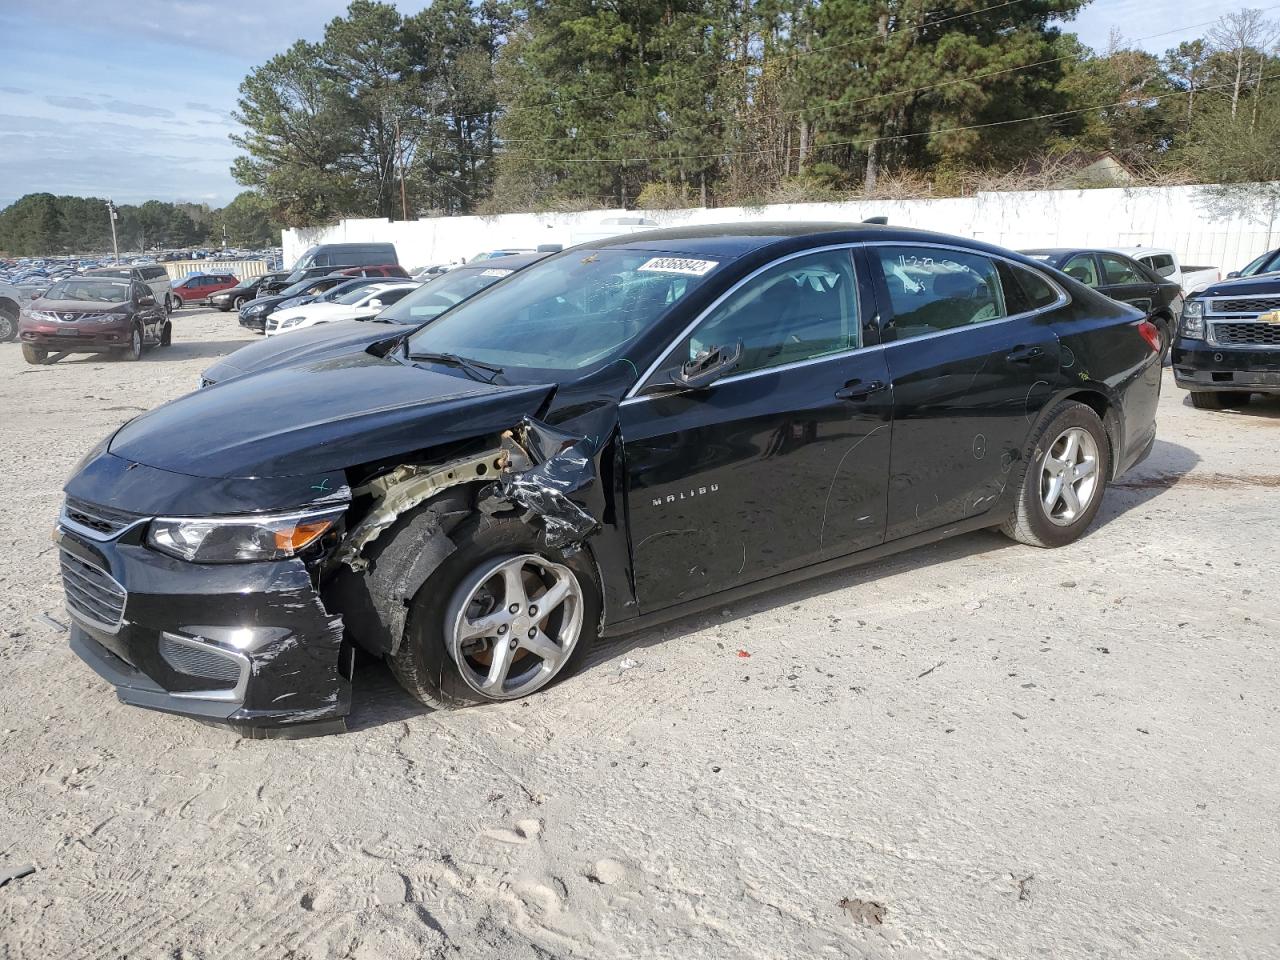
(378, 699)
(193, 350)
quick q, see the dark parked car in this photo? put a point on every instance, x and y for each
(202, 286)
(1121, 278)
(419, 307)
(93, 314)
(1228, 345)
(247, 289)
(253, 315)
(618, 435)
(375, 270)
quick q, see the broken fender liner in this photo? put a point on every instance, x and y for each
(546, 466)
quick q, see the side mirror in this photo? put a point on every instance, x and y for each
(374, 304)
(35, 294)
(703, 370)
(146, 300)
(1233, 275)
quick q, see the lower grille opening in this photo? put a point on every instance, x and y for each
(221, 670)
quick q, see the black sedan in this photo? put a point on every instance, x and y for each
(1121, 278)
(421, 306)
(618, 435)
(249, 288)
(253, 315)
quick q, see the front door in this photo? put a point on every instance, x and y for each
(776, 466)
(972, 360)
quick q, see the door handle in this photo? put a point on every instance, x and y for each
(856, 390)
(1025, 354)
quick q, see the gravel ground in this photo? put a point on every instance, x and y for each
(977, 749)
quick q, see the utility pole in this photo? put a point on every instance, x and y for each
(115, 247)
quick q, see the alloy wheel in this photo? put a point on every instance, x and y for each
(1069, 476)
(8, 327)
(516, 621)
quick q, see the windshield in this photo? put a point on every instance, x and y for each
(302, 286)
(354, 296)
(342, 289)
(122, 272)
(442, 293)
(564, 314)
(1264, 264)
(247, 282)
(99, 291)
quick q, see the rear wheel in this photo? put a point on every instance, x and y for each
(34, 355)
(1065, 476)
(1217, 399)
(174, 302)
(8, 321)
(240, 301)
(166, 334)
(501, 618)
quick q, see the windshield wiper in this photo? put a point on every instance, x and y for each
(475, 369)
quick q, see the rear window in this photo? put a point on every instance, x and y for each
(1161, 263)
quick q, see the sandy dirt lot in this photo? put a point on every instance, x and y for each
(977, 749)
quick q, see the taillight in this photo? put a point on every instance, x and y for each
(1150, 333)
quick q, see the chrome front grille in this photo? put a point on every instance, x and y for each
(1247, 334)
(102, 520)
(1236, 305)
(91, 593)
(200, 660)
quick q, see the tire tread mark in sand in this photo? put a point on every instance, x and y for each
(157, 921)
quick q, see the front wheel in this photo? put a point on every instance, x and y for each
(501, 618)
(34, 355)
(1066, 474)
(8, 325)
(166, 334)
(1217, 399)
(174, 303)
(240, 302)
(134, 350)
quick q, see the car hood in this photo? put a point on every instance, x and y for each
(1243, 287)
(77, 306)
(307, 344)
(315, 417)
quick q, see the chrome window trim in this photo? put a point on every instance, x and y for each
(1064, 298)
(634, 394)
(236, 693)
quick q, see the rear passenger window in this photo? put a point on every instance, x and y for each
(1039, 292)
(932, 289)
(799, 309)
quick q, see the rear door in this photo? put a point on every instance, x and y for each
(1123, 281)
(779, 465)
(972, 360)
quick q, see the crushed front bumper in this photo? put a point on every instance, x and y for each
(1199, 366)
(250, 645)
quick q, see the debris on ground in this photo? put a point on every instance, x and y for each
(1024, 888)
(743, 653)
(931, 669)
(48, 621)
(868, 913)
(16, 874)
(628, 664)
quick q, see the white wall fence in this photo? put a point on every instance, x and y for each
(178, 269)
(1140, 216)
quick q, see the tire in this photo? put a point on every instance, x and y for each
(1056, 525)
(1213, 400)
(34, 355)
(174, 303)
(8, 323)
(423, 663)
(240, 302)
(166, 334)
(134, 350)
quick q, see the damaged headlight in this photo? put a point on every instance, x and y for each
(240, 539)
(1193, 319)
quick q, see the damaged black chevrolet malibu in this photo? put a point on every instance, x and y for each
(620, 434)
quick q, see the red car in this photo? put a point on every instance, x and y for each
(202, 286)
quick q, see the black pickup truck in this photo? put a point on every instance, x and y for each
(1228, 344)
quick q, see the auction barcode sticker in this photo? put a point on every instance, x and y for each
(495, 272)
(694, 268)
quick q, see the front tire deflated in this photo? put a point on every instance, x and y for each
(502, 617)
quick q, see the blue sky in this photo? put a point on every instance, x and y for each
(132, 100)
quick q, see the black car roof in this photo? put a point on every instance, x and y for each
(731, 240)
(512, 261)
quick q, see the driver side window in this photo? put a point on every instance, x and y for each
(800, 309)
(1082, 268)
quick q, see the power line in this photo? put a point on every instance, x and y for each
(868, 140)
